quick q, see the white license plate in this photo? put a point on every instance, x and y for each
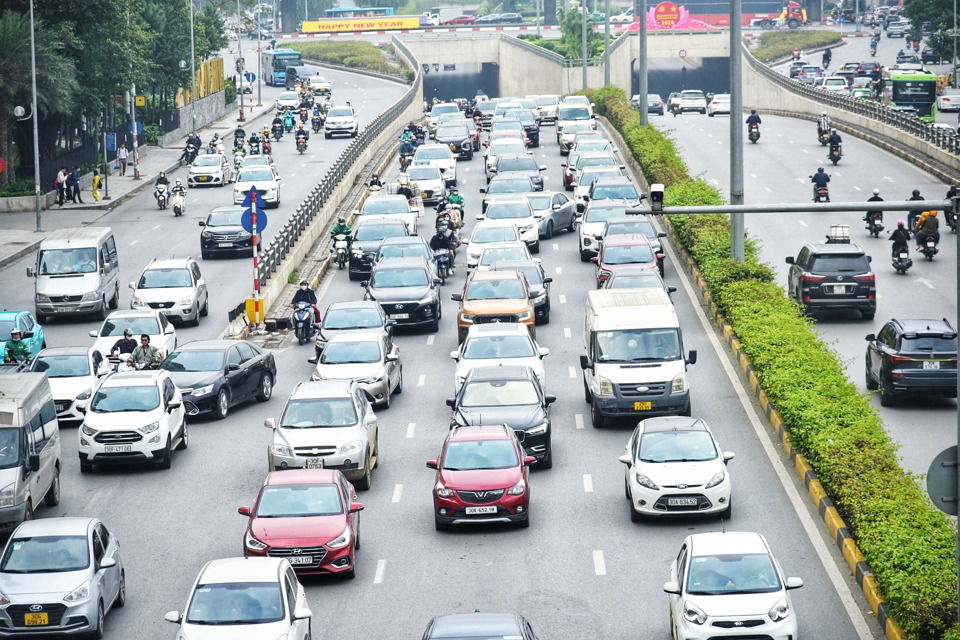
(681, 502)
(473, 511)
(904, 256)
(295, 560)
(224, 244)
(836, 288)
(399, 316)
(314, 463)
(931, 364)
(65, 309)
(117, 448)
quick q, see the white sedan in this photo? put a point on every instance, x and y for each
(496, 344)
(210, 169)
(74, 372)
(264, 179)
(949, 99)
(140, 322)
(719, 104)
(288, 100)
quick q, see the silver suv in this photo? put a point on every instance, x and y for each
(328, 424)
(175, 288)
(341, 120)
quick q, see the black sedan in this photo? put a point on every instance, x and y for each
(912, 357)
(367, 236)
(490, 18)
(224, 235)
(512, 396)
(407, 290)
(510, 18)
(214, 375)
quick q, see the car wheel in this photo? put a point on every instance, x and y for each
(727, 513)
(164, 462)
(572, 226)
(535, 248)
(871, 383)
(52, 498)
(28, 512)
(350, 573)
(121, 592)
(597, 418)
(584, 256)
(205, 254)
(434, 326)
(223, 405)
(635, 516)
(97, 632)
(366, 481)
(115, 302)
(184, 436)
(886, 395)
(101, 313)
(326, 135)
(206, 307)
(266, 388)
(547, 462)
(549, 234)
(711, 114)
(587, 396)
(386, 399)
(868, 315)
(376, 452)
(399, 387)
(196, 317)
(85, 466)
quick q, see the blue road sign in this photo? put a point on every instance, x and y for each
(250, 76)
(111, 141)
(249, 198)
(139, 128)
(252, 200)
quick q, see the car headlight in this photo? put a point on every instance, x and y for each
(80, 593)
(84, 395)
(442, 491)
(137, 302)
(468, 317)
(526, 227)
(427, 299)
(91, 296)
(87, 431)
(352, 447)
(202, 391)
(540, 298)
(150, 428)
(538, 430)
(780, 611)
(606, 387)
(280, 450)
(716, 479)
(4, 599)
(340, 541)
(679, 384)
(517, 489)
(186, 300)
(374, 379)
(693, 613)
(252, 543)
(42, 298)
(644, 481)
(526, 315)
(7, 495)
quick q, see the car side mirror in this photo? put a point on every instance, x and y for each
(543, 167)
(547, 280)
(173, 616)
(312, 360)
(106, 563)
(31, 272)
(585, 363)
(789, 260)
(356, 507)
(390, 322)
(728, 456)
(595, 259)
(364, 283)
(544, 352)
(131, 285)
(456, 297)
(454, 355)
(270, 423)
(869, 258)
(661, 234)
(871, 337)
(548, 400)
(27, 335)
(302, 613)
(244, 511)
(671, 290)
(92, 334)
(626, 459)
(479, 216)
(793, 583)
(233, 366)
(692, 357)
(393, 358)
(483, 189)
(174, 405)
(431, 464)
(671, 587)
(33, 463)
(437, 281)
(557, 207)
(451, 402)
(202, 223)
(528, 460)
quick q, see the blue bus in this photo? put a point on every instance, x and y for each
(274, 63)
(359, 12)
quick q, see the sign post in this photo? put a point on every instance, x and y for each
(254, 221)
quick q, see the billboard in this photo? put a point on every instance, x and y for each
(386, 23)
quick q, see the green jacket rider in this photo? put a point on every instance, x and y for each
(15, 348)
(341, 227)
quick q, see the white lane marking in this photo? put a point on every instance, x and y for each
(136, 241)
(381, 567)
(838, 174)
(572, 372)
(800, 180)
(802, 223)
(790, 141)
(563, 299)
(397, 493)
(814, 534)
(556, 247)
(719, 141)
(156, 227)
(566, 332)
(422, 380)
(411, 428)
(925, 282)
(806, 151)
(854, 186)
(559, 271)
(599, 566)
(430, 340)
(753, 175)
(303, 164)
(587, 483)
(767, 189)
(578, 420)
(888, 178)
(293, 174)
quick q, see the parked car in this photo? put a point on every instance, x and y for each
(459, 20)
(912, 357)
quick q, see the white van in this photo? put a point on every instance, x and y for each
(633, 363)
(76, 273)
(29, 448)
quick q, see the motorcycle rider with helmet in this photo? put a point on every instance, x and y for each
(375, 180)
(441, 240)
(912, 215)
(301, 134)
(900, 238)
(819, 180)
(15, 348)
(874, 215)
(406, 136)
(306, 294)
(823, 125)
(146, 354)
(928, 226)
(161, 180)
(341, 227)
(455, 198)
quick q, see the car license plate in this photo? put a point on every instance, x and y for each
(681, 502)
(836, 288)
(61, 406)
(224, 245)
(295, 560)
(474, 511)
(931, 364)
(642, 406)
(36, 619)
(399, 316)
(117, 448)
(203, 178)
(65, 309)
(314, 463)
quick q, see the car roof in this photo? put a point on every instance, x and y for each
(10, 315)
(55, 526)
(354, 304)
(625, 239)
(64, 351)
(134, 313)
(821, 248)
(401, 262)
(465, 625)
(504, 372)
(322, 389)
(730, 542)
(403, 240)
(301, 476)
(362, 221)
(480, 432)
(924, 326)
(227, 570)
(387, 197)
(673, 423)
(132, 379)
(639, 217)
(203, 345)
(602, 181)
(516, 264)
(227, 208)
(486, 329)
(171, 263)
(486, 222)
(358, 336)
(515, 156)
(506, 244)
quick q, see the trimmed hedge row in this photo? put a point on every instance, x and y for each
(908, 543)
(777, 44)
(354, 54)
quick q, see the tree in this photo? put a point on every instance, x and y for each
(571, 30)
(56, 77)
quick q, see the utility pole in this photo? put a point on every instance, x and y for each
(259, 53)
(537, 2)
(641, 15)
(133, 126)
(36, 117)
(736, 133)
(240, 65)
(193, 75)
(583, 31)
(606, 42)
(953, 71)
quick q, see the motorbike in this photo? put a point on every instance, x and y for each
(190, 153)
(267, 147)
(873, 51)
(835, 153)
(951, 221)
(163, 196)
(341, 246)
(16, 365)
(405, 160)
(916, 47)
(821, 194)
(304, 116)
(277, 131)
(301, 144)
(288, 123)
(317, 124)
(901, 261)
(254, 148)
(238, 155)
(929, 248)
(754, 134)
(873, 224)
(179, 204)
(303, 322)
(442, 258)
(823, 136)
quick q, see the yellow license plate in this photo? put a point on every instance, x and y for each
(35, 619)
(642, 406)
(203, 178)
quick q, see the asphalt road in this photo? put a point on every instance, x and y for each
(777, 169)
(582, 570)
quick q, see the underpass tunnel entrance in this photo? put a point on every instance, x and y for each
(462, 80)
(667, 75)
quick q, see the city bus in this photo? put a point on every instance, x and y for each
(359, 12)
(913, 88)
(274, 63)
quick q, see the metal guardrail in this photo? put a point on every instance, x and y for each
(283, 243)
(945, 139)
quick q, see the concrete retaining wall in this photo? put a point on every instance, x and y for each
(209, 109)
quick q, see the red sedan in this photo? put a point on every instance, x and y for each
(625, 251)
(481, 477)
(460, 20)
(308, 516)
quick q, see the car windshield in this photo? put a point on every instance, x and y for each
(121, 399)
(207, 161)
(649, 280)
(457, 131)
(523, 115)
(483, 235)
(524, 163)
(590, 174)
(46, 554)
(640, 225)
(574, 113)
(840, 264)
(495, 290)
(352, 319)
(404, 251)
(596, 161)
(225, 218)
(510, 185)
(72, 366)
(691, 94)
(575, 128)
(637, 345)
(175, 278)
(289, 96)
(379, 231)
(252, 175)
(299, 501)
(6, 327)
(468, 455)
(413, 277)
(319, 412)
(11, 441)
(929, 343)
(340, 112)
(497, 347)
(423, 173)
(508, 210)
(592, 145)
(546, 101)
(602, 214)
(235, 603)
(114, 327)
(432, 153)
(506, 145)
(492, 255)
(627, 254)
(440, 109)
(347, 352)
(539, 203)
(194, 360)
(532, 271)
(626, 192)
(499, 393)
(381, 206)
(676, 446)
(60, 262)
(730, 574)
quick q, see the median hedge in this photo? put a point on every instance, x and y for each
(778, 44)
(354, 54)
(908, 543)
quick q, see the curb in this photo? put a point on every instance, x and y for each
(13, 257)
(835, 525)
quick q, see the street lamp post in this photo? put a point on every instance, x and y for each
(33, 104)
(193, 75)
(954, 67)
(259, 50)
(240, 65)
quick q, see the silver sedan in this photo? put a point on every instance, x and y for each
(368, 357)
(553, 210)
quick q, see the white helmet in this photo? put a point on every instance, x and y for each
(876, 192)
(178, 181)
(824, 113)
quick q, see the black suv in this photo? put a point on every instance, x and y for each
(367, 237)
(912, 356)
(456, 136)
(529, 121)
(833, 276)
(509, 395)
(407, 291)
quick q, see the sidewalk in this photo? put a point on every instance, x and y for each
(20, 237)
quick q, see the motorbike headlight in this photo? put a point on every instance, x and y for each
(84, 395)
(137, 302)
(716, 479)
(150, 428)
(517, 489)
(80, 593)
(644, 481)
(252, 543)
(42, 298)
(186, 300)
(340, 541)
(91, 296)
(693, 613)
(780, 611)
(606, 387)
(202, 391)
(442, 491)
(352, 447)
(538, 430)
(87, 431)
(280, 450)
(679, 383)
(7, 495)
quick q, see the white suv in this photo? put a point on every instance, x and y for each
(341, 120)
(135, 416)
(328, 424)
(175, 288)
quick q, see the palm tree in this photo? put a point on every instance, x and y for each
(56, 78)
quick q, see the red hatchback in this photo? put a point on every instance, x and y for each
(481, 477)
(461, 20)
(624, 251)
(308, 516)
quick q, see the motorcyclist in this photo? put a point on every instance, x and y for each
(455, 198)
(900, 238)
(287, 119)
(455, 219)
(753, 118)
(823, 124)
(304, 112)
(835, 139)
(277, 127)
(238, 137)
(124, 345)
(827, 57)
(161, 180)
(341, 227)
(796, 53)
(15, 349)
(306, 294)
(405, 190)
(375, 180)
(254, 141)
(406, 147)
(819, 180)
(928, 226)
(441, 240)
(178, 188)
(406, 136)
(189, 152)
(874, 215)
(912, 215)
(951, 194)
(146, 353)
(301, 134)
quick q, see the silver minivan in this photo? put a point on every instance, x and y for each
(77, 273)
(29, 448)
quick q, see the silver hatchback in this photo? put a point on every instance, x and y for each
(60, 575)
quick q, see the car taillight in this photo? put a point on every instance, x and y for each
(809, 278)
(899, 359)
(867, 278)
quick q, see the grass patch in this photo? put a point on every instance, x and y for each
(778, 44)
(351, 54)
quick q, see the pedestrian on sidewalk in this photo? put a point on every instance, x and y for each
(61, 184)
(122, 155)
(96, 185)
(74, 183)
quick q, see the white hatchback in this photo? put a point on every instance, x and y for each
(74, 372)
(439, 156)
(210, 169)
(498, 344)
(264, 179)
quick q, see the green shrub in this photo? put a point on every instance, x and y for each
(354, 54)
(778, 44)
(229, 92)
(22, 187)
